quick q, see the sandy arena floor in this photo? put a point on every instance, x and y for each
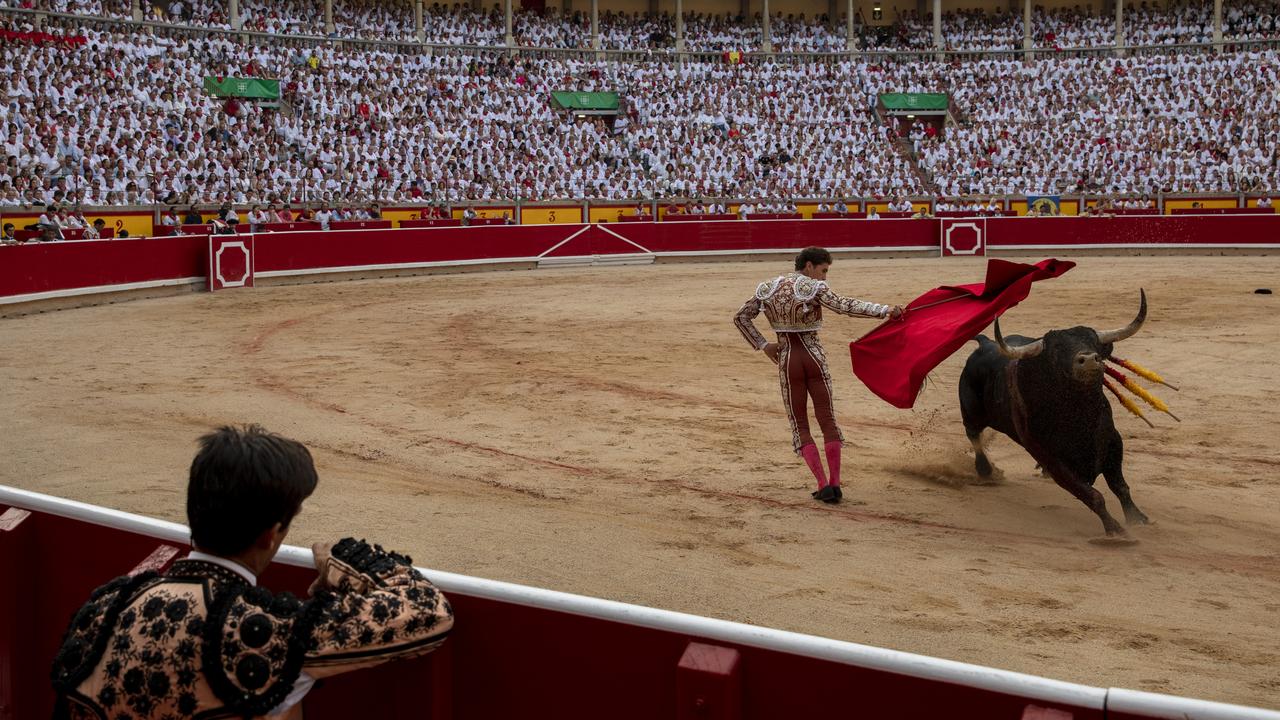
(608, 432)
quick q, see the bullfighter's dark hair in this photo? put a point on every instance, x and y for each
(815, 255)
(243, 481)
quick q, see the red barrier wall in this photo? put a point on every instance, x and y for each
(529, 653)
(349, 248)
(504, 659)
(1130, 231)
(67, 266)
(43, 267)
(674, 236)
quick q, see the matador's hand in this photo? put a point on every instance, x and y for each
(895, 312)
(321, 551)
(772, 350)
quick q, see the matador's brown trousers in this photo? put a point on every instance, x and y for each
(802, 373)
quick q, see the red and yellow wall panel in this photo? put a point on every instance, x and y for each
(1186, 203)
(610, 213)
(550, 214)
(1068, 207)
(487, 211)
(139, 223)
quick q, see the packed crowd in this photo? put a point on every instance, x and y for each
(1172, 123)
(122, 119)
(1064, 28)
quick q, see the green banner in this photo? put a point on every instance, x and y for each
(914, 101)
(597, 101)
(254, 88)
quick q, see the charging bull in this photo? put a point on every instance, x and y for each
(1047, 395)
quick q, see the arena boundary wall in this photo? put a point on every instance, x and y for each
(41, 276)
(518, 650)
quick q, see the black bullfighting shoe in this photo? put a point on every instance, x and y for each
(827, 494)
(839, 494)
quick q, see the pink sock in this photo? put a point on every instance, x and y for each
(833, 459)
(810, 454)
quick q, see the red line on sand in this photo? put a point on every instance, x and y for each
(259, 341)
(495, 451)
(255, 345)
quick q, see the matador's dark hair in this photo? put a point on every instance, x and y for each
(815, 255)
(244, 481)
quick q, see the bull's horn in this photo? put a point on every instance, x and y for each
(1029, 350)
(1114, 336)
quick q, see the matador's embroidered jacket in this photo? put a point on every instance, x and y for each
(793, 304)
(200, 641)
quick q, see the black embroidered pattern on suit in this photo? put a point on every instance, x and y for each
(86, 638)
(254, 647)
(155, 647)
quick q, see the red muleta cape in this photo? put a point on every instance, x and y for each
(894, 359)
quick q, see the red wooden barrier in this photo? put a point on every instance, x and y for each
(1222, 211)
(970, 214)
(282, 252)
(72, 268)
(782, 235)
(709, 683)
(1134, 232)
(295, 226)
(360, 225)
(439, 222)
(550, 655)
(17, 538)
(231, 261)
(66, 234)
(526, 652)
(58, 266)
(703, 218)
(773, 216)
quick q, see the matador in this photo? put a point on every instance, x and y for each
(793, 304)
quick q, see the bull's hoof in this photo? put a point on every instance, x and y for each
(1121, 540)
(995, 478)
(1136, 517)
(982, 465)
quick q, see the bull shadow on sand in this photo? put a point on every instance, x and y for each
(952, 467)
(949, 468)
